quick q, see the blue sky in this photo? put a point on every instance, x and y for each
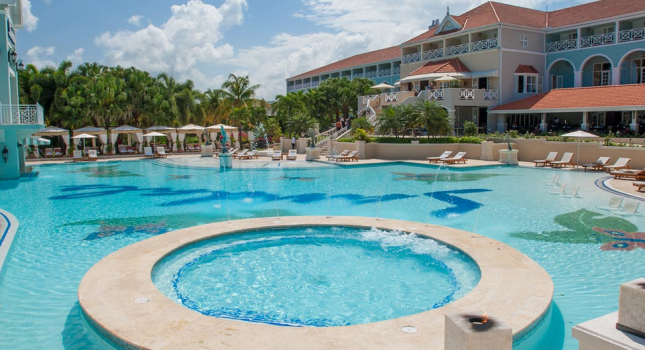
(205, 40)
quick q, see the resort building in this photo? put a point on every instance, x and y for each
(17, 122)
(480, 64)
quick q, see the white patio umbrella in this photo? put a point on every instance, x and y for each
(579, 134)
(383, 86)
(154, 135)
(84, 136)
(446, 78)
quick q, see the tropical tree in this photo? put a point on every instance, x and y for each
(299, 124)
(433, 117)
(389, 122)
(361, 123)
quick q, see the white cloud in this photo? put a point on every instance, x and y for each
(77, 56)
(30, 22)
(136, 20)
(191, 36)
(41, 57)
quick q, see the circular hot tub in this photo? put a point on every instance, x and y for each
(316, 276)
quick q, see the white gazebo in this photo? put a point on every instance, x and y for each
(189, 129)
(216, 129)
(55, 131)
(128, 130)
(91, 130)
(170, 133)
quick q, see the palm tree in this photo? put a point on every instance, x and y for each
(389, 122)
(300, 123)
(362, 123)
(434, 117)
(287, 106)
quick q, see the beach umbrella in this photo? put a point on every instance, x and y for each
(84, 136)
(446, 78)
(383, 86)
(579, 134)
(154, 135)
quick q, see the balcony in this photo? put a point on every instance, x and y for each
(22, 115)
(384, 72)
(631, 35)
(396, 71)
(598, 40)
(563, 45)
(432, 54)
(463, 97)
(456, 50)
(484, 45)
(413, 57)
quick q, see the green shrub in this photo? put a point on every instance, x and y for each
(470, 129)
(361, 135)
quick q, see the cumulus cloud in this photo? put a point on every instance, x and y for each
(77, 56)
(136, 20)
(192, 35)
(30, 22)
(41, 56)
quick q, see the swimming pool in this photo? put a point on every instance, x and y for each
(316, 276)
(72, 216)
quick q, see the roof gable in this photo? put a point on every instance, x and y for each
(453, 65)
(526, 69)
(448, 24)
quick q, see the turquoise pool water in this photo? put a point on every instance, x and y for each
(71, 216)
(318, 276)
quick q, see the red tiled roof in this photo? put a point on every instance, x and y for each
(362, 59)
(526, 69)
(453, 65)
(593, 11)
(581, 98)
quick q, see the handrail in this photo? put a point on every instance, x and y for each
(563, 45)
(22, 114)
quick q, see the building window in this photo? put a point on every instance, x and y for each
(528, 84)
(638, 71)
(557, 82)
(572, 36)
(524, 39)
(601, 74)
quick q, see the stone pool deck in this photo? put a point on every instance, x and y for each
(512, 288)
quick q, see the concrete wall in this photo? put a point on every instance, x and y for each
(510, 62)
(511, 40)
(417, 152)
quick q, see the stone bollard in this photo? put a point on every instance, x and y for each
(631, 308)
(476, 331)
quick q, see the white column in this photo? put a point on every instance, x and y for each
(585, 121)
(634, 125)
(543, 125)
(579, 38)
(501, 122)
(451, 115)
(615, 76)
(577, 78)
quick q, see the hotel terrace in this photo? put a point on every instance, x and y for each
(515, 68)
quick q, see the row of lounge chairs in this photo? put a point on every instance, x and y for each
(193, 147)
(344, 156)
(550, 160)
(446, 159)
(160, 153)
(616, 206)
(567, 159)
(53, 152)
(92, 156)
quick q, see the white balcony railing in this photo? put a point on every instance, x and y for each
(484, 45)
(563, 45)
(435, 95)
(432, 54)
(359, 75)
(632, 35)
(396, 71)
(393, 97)
(413, 57)
(467, 94)
(456, 50)
(598, 40)
(373, 74)
(384, 72)
(21, 114)
(491, 95)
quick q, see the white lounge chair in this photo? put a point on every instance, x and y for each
(147, 152)
(459, 158)
(597, 165)
(292, 155)
(78, 156)
(567, 159)
(49, 152)
(334, 156)
(640, 185)
(161, 152)
(444, 155)
(629, 208)
(573, 193)
(555, 181)
(122, 149)
(621, 163)
(92, 155)
(277, 155)
(249, 155)
(549, 158)
(58, 152)
(240, 153)
(352, 156)
(561, 191)
(614, 204)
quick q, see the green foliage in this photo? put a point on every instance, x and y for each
(361, 135)
(470, 129)
(300, 123)
(390, 121)
(514, 134)
(361, 123)
(434, 140)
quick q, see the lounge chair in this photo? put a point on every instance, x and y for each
(567, 159)
(147, 152)
(456, 159)
(350, 157)
(555, 181)
(549, 158)
(131, 150)
(444, 155)
(197, 147)
(241, 153)
(573, 193)
(58, 152)
(597, 165)
(49, 152)
(161, 152)
(292, 155)
(630, 208)
(190, 148)
(78, 156)
(561, 190)
(614, 204)
(92, 155)
(277, 155)
(640, 185)
(122, 149)
(249, 155)
(334, 156)
(231, 151)
(621, 163)
(629, 174)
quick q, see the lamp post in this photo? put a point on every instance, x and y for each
(5, 154)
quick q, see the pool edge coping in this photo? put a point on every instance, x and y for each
(7, 234)
(97, 289)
